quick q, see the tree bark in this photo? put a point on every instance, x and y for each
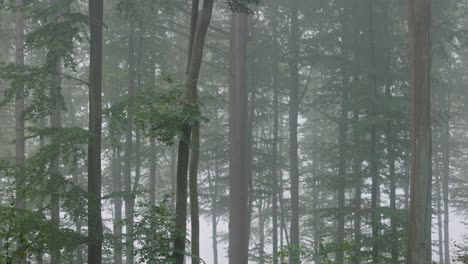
(238, 179)
(95, 229)
(152, 180)
(419, 228)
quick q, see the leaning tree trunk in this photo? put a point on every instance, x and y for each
(95, 229)
(193, 71)
(419, 228)
(20, 202)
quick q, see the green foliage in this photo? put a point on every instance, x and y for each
(162, 113)
(155, 232)
(461, 254)
(242, 6)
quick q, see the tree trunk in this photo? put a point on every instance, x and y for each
(56, 123)
(357, 163)
(238, 179)
(128, 146)
(261, 231)
(446, 180)
(117, 180)
(20, 200)
(95, 229)
(214, 209)
(419, 228)
(374, 170)
(274, 167)
(152, 176)
(438, 209)
(193, 71)
(293, 124)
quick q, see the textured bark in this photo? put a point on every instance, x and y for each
(20, 200)
(293, 124)
(419, 228)
(238, 177)
(95, 229)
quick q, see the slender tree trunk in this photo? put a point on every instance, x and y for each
(238, 179)
(20, 200)
(214, 209)
(152, 180)
(438, 209)
(293, 124)
(374, 170)
(261, 231)
(274, 167)
(95, 229)
(128, 146)
(419, 228)
(357, 163)
(56, 123)
(117, 180)
(446, 180)
(193, 71)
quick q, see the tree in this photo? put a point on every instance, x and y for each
(419, 228)
(95, 229)
(20, 203)
(293, 142)
(238, 178)
(189, 104)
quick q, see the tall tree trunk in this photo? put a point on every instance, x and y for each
(374, 170)
(357, 171)
(446, 180)
(128, 145)
(438, 209)
(56, 123)
(117, 188)
(193, 71)
(274, 167)
(20, 200)
(95, 229)
(293, 124)
(238, 179)
(213, 185)
(419, 228)
(261, 231)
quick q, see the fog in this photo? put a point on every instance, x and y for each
(233, 132)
